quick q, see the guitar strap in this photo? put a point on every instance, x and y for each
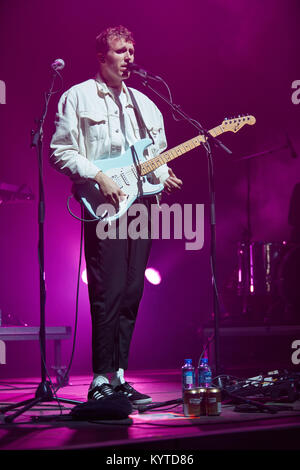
(143, 133)
(139, 118)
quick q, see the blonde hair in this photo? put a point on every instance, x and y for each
(102, 39)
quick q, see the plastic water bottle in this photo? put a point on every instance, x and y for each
(204, 374)
(188, 375)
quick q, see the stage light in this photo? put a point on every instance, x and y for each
(153, 276)
(84, 276)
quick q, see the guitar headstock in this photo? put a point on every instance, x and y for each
(235, 124)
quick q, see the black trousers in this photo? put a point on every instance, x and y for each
(115, 273)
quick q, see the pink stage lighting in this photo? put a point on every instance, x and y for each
(153, 276)
(84, 276)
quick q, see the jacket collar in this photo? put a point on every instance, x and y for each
(103, 89)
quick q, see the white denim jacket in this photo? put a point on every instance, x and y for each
(88, 128)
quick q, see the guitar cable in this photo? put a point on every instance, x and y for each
(81, 219)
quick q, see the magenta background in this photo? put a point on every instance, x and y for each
(220, 58)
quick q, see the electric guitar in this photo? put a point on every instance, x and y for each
(130, 172)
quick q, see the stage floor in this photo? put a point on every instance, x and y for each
(163, 428)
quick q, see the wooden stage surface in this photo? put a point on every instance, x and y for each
(49, 427)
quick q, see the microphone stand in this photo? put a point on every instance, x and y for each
(218, 143)
(44, 391)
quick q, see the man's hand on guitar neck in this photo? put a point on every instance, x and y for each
(172, 182)
(111, 191)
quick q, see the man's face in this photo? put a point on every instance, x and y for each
(113, 65)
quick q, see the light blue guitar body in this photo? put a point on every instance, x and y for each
(124, 171)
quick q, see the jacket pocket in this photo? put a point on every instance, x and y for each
(94, 126)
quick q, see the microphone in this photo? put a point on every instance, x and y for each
(58, 64)
(291, 147)
(142, 72)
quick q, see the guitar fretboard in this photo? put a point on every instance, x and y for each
(165, 157)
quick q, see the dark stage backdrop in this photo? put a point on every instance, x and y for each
(220, 59)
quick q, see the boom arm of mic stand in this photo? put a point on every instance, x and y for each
(37, 135)
(194, 123)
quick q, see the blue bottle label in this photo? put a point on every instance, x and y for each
(188, 377)
(204, 377)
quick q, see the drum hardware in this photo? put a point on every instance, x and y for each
(257, 267)
(264, 288)
(259, 286)
(13, 193)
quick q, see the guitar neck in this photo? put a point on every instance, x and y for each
(165, 157)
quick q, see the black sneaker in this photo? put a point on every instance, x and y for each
(135, 397)
(101, 391)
